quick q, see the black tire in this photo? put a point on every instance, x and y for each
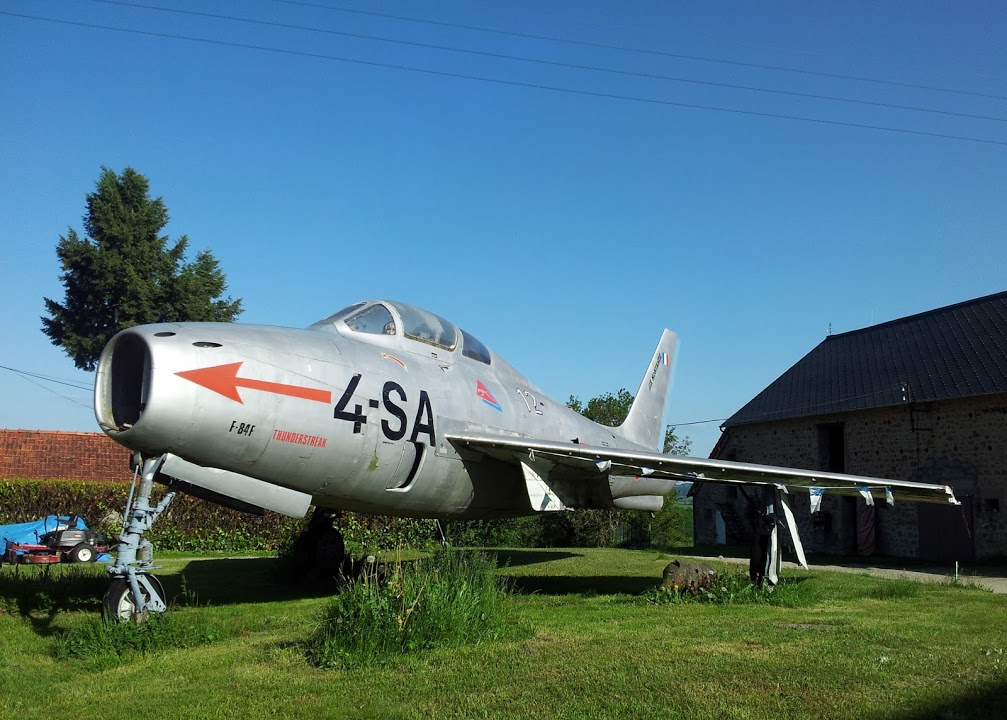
(117, 603)
(82, 553)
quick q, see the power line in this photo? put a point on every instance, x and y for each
(555, 63)
(49, 378)
(28, 377)
(696, 422)
(659, 53)
(511, 83)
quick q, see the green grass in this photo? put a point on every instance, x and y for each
(849, 646)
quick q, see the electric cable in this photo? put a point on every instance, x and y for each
(622, 48)
(512, 83)
(555, 63)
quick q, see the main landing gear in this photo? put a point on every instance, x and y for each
(134, 592)
(764, 563)
(320, 550)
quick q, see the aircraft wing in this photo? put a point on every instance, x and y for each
(595, 460)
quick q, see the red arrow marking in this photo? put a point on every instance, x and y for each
(223, 379)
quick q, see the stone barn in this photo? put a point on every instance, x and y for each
(922, 398)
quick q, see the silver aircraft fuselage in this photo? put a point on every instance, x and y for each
(354, 411)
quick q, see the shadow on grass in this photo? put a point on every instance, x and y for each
(573, 585)
(38, 594)
(988, 703)
(527, 584)
(518, 558)
(710, 551)
(228, 581)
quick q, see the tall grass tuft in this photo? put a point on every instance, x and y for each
(451, 598)
(103, 644)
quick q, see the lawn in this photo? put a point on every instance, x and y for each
(839, 646)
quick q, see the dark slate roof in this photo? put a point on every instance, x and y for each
(950, 352)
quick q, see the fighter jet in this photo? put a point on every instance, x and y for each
(389, 409)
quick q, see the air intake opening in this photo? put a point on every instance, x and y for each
(130, 371)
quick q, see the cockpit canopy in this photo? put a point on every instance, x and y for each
(384, 317)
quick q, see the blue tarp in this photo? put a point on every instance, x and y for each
(30, 532)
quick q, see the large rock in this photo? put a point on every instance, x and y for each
(688, 576)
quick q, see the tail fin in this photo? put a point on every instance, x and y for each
(643, 424)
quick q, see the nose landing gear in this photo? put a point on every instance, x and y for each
(134, 592)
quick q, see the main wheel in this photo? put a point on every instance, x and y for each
(117, 604)
(82, 553)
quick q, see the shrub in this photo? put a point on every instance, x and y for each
(672, 527)
(450, 598)
(512, 532)
(371, 534)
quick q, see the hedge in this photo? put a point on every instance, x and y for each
(191, 524)
(671, 527)
(196, 525)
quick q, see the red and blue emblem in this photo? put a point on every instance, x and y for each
(487, 396)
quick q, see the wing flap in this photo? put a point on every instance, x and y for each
(592, 459)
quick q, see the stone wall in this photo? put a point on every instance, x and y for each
(55, 455)
(961, 443)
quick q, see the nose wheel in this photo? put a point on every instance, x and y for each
(119, 605)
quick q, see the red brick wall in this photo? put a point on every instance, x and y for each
(49, 454)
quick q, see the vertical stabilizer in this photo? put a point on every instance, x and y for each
(644, 424)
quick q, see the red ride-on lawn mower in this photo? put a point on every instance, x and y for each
(69, 541)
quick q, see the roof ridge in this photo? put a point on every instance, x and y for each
(925, 313)
(955, 351)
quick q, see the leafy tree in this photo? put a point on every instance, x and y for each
(124, 273)
(674, 444)
(609, 409)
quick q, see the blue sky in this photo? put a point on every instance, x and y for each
(564, 228)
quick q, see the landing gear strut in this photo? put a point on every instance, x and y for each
(134, 592)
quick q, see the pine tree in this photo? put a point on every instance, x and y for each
(124, 273)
